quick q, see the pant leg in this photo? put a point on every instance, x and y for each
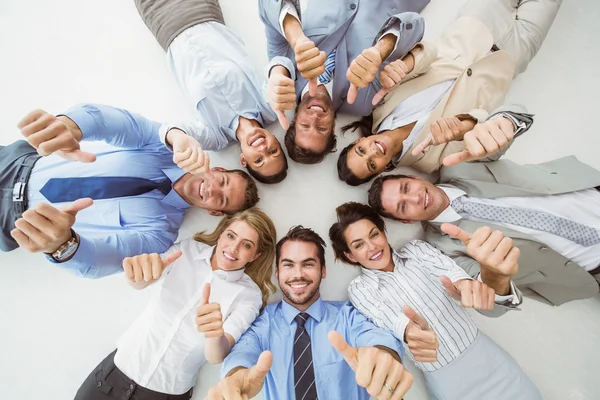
(10, 157)
(168, 18)
(518, 26)
(95, 386)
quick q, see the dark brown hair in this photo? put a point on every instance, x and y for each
(364, 126)
(347, 214)
(375, 194)
(251, 193)
(305, 156)
(278, 177)
(301, 234)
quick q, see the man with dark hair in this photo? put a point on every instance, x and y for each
(335, 352)
(322, 53)
(213, 69)
(550, 210)
(139, 194)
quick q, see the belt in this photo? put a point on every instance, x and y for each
(21, 183)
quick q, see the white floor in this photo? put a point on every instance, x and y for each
(54, 328)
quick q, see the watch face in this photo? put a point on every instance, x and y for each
(66, 250)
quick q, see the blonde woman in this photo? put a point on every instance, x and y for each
(211, 288)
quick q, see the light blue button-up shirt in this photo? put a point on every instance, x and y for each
(274, 330)
(112, 229)
(211, 66)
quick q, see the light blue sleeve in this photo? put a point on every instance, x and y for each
(362, 332)
(114, 126)
(408, 27)
(246, 351)
(99, 257)
(209, 140)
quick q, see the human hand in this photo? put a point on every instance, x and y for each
(483, 140)
(46, 228)
(471, 293)
(245, 383)
(362, 71)
(209, 319)
(420, 338)
(188, 153)
(147, 267)
(310, 61)
(281, 93)
(50, 134)
(444, 130)
(392, 75)
(376, 369)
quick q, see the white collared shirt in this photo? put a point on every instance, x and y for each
(415, 281)
(582, 207)
(163, 350)
(416, 108)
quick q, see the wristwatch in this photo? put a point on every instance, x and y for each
(521, 121)
(65, 251)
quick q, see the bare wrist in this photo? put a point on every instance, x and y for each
(279, 70)
(171, 134)
(386, 45)
(500, 283)
(73, 127)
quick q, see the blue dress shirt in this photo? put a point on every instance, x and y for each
(274, 330)
(113, 229)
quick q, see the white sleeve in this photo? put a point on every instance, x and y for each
(243, 312)
(435, 261)
(287, 8)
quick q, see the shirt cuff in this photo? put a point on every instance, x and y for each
(162, 134)
(86, 122)
(284, 62)
(80, 263)
(458, 274)
(287, 8)
(510, 300)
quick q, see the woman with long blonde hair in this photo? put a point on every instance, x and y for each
(210, 289)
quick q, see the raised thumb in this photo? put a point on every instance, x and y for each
(78, 205)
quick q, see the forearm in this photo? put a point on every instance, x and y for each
(500, 284)
(386, 45)
(216, 349)
(292, 30)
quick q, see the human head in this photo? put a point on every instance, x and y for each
(300, 266)
(311, 135)
(407, 198)
(245, 240)
(263, 156)
(358, 237)
(220, 191)
(364, 159)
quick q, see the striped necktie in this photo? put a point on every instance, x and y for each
(304, 374)
(574, 231)
(58, 190)
(327, 76)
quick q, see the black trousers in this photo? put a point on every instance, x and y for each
(11, 159)
(108, 382)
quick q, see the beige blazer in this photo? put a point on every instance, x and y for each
(482, 81)
(541, 269)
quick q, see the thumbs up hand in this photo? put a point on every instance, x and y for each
(209, 319)
(420, 338)
(376, 369)
(147, 268)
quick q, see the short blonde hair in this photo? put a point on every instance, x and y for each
(261, 269)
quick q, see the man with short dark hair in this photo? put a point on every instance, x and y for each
(211, 65)
(138, 192)
(550, 210)
(327, 57)
(286, 348)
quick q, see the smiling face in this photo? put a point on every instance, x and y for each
(368, 245)
(370, 155)
(412, 199)
(314, 121)
(216, 191)
(262, 152)
(299, 273)
(237, 246)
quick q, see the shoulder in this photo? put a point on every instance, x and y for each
(249, 287)
(192, 246)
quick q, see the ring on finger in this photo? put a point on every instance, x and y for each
(387, 385)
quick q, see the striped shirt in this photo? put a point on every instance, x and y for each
(415, 281)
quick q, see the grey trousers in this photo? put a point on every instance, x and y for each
(168, 18)
(484, 371)
(518, 26)
(11, 158)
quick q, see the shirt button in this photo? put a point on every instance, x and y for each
(131, 386)
(352, 6)
(543, 248)
(469, 72)
(128, 393)
(568, 263)
(99, 384)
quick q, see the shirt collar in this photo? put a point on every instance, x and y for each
(449, 215)
(290, 312)
(227, 276)
(173, 198)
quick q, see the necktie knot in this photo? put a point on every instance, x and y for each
(458, 204)
(327, 76)
(301, 319)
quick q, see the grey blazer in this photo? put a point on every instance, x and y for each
(541, 269)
